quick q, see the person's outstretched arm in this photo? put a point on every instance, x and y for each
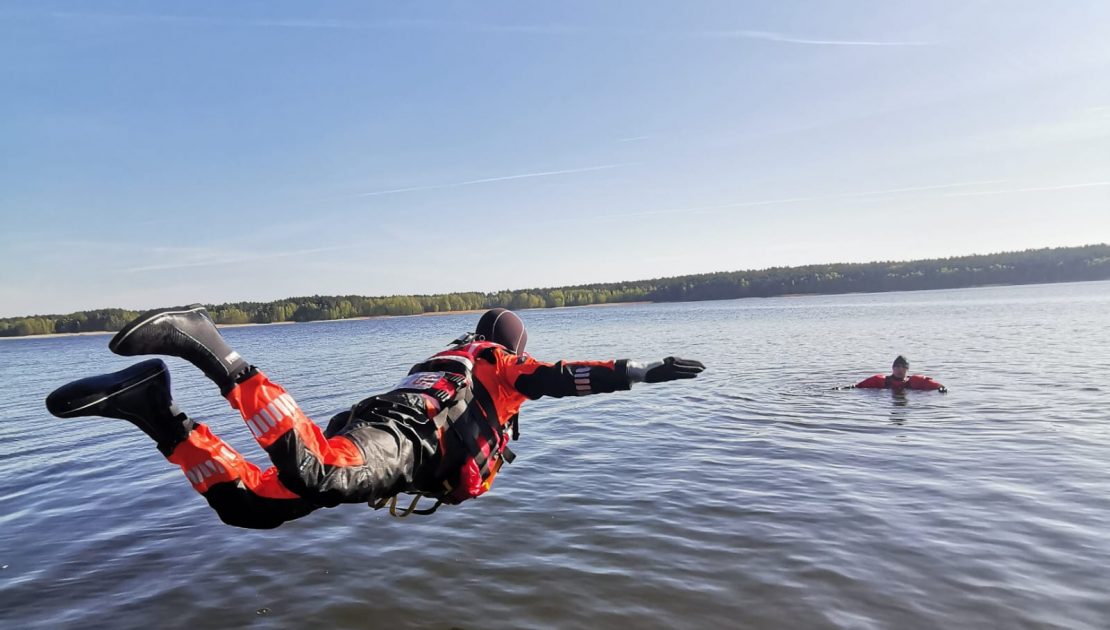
(535, 379)
(927, 383)
(875, 382)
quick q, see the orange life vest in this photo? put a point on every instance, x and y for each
(464, 406)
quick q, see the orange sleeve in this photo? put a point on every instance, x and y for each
(875, 382)
(918, 381)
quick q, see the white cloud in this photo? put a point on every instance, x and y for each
(487, 180)
(317, 23)
(807, 41)
(476, 27)
(1035, 189)
(789, 200)
(214, 257)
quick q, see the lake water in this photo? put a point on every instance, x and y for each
(752, 497)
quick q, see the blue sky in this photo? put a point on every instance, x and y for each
(157, 153)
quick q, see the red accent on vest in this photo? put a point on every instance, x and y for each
(466, 408)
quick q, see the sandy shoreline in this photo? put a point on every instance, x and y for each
(318, 321)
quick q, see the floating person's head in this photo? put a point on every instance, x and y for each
(503, 327)
(900, 366)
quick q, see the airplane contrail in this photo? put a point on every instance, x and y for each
(487, 180)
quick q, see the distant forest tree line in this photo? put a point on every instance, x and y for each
(1064, 264)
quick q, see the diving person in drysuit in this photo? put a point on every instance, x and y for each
(442, 432)
(898, 381)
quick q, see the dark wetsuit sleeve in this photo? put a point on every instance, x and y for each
(875, 382)
(536, 379)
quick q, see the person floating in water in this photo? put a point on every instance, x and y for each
(443, 432)
(898, 381)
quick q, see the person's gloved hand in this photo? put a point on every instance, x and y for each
(669, 369)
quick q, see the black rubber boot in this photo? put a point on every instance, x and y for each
(186, 332)
(139, 394)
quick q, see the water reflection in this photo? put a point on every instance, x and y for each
(899, 414)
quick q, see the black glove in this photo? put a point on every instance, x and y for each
(672, 368)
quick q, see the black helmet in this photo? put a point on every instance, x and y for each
(504, 327)
(900, 361)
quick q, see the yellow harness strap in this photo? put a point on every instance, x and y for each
(411, 509)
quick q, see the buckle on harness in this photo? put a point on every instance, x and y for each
(411, 509)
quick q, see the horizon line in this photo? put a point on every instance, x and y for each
(595, 284)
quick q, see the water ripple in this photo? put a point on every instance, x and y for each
(754, 497)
